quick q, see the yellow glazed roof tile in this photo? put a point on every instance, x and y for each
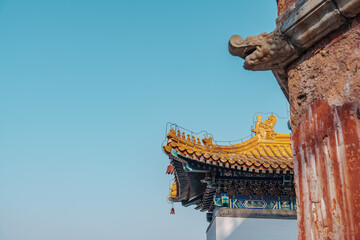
(266, 150)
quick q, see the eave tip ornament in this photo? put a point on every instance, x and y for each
(170, 169)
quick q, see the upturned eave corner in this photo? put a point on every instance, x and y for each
(267, 150)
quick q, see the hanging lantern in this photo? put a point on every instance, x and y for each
(172, 211)
(170, 169)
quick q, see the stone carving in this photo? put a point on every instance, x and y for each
(267, 51)
(307, 23)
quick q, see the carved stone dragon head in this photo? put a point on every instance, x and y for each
(266, 51)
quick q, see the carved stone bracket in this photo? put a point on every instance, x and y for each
(266, 51)
(297, 30)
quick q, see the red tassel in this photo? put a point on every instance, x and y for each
(172, 211)
(170, 169)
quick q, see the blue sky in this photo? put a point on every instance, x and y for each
(86, 89)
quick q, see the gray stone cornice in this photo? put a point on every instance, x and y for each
(348, 8)
(310, 22)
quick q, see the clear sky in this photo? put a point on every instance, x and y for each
(86, 89)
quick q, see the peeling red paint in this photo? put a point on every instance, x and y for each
(326, 148)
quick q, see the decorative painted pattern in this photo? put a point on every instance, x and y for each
(247, 202)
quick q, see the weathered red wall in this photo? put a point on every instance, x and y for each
(327, 171)
(324, 89)
(329, 70)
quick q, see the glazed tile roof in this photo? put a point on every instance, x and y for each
(267, 150)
